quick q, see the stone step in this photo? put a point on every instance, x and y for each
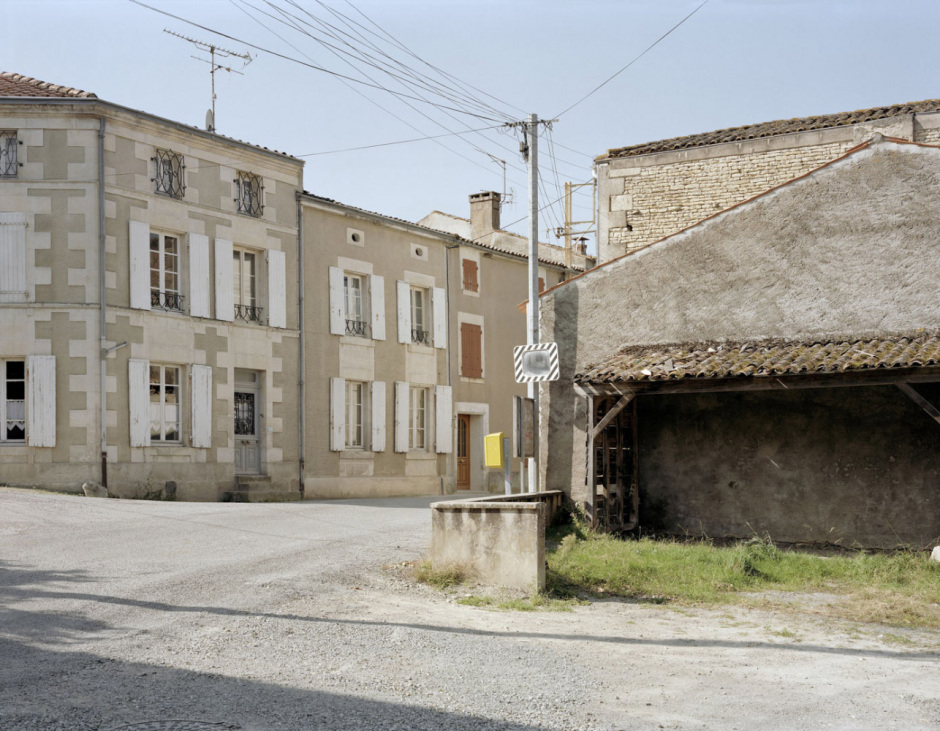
(258, 489)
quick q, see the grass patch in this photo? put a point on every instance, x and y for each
(900, 589)
(440, 578)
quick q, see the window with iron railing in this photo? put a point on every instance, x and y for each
(249, 194)
(9, 145)
(353, 300)
(165, 273)
(169, 174)
(244, 283)
(420, 316)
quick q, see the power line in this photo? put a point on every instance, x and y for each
(648, 49)
(388, 144)
(315, 67)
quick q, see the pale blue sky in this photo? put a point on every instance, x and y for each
(734, 62)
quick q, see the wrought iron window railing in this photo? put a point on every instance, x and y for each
(248, 313)
(249, 194)
(8, 154)
(356, 327)
(170, 170)
(421, 336)
(166, 301)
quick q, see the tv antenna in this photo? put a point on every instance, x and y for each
(213, 51)
(507, 196)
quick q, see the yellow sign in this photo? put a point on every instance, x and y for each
(493, 449)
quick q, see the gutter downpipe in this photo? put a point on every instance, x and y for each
(102, 296)
(300, 324)
(450, 350)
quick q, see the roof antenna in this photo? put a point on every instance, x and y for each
(214, 50)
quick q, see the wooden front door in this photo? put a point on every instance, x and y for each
(247, 441)
(463, 451)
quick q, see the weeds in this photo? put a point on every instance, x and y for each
(441, 578)
(900, 589)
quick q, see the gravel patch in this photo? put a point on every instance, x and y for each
(135, 615)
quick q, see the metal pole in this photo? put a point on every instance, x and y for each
(102, 311)
(533, 309)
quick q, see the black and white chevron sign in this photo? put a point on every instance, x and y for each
(535, 363)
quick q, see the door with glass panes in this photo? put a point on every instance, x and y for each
(247, 422)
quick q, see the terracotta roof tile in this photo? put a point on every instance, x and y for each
(777, 127)
(766, 358)
(18, 85)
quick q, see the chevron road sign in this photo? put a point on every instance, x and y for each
(535, 363)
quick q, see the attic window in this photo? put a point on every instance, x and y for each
(8, 146)
(169, 174)
(249, 194)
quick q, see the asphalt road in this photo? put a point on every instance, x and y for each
(186, 616)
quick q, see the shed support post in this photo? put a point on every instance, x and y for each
(931, 410)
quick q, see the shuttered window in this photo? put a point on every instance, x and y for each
(277, 288)
(13, 257)
(199, 275)
(471, 350)
(12, 401)
(471, 282)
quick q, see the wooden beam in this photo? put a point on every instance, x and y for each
(879, 377)
(920, 401)
(611, 415)
(591, 469)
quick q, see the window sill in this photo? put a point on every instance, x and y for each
(420, 454)
(468, 379)
(418, 348)
(471, 292)
(356, 453)
(359, 340)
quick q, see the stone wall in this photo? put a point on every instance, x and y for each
(647, 197)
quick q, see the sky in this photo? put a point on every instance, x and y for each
(732, 62)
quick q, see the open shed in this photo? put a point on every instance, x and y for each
(774, 368)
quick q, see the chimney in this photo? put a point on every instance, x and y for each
(484, 213)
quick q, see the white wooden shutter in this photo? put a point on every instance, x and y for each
(13, 257)
(139, 251)
(377, 302)
(277, 289)
(404, 311)
(439, 302)
(443, 417)
(224, 294)
(401, 416)
(377, 396)
(337, 414)
(337, 303)
(198, 275)
(200, 379)
(40, 401)
(138, 394)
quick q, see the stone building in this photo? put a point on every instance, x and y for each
(774, 368)
(146, 308)
(409, 334)
(652, 190)
(161, 322)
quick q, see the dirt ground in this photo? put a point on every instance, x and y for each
(119, 614)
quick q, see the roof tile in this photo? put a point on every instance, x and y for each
(766, 358)
(776, 127)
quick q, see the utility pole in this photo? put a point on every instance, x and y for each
(533, 310)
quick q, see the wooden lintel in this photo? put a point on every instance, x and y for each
(920, 401)
(611, 415)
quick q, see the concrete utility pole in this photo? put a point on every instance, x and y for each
(532, 136)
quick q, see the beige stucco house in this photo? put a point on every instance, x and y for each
(409, 332)
(147, 301)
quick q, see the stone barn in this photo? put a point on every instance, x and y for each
(773, 369)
